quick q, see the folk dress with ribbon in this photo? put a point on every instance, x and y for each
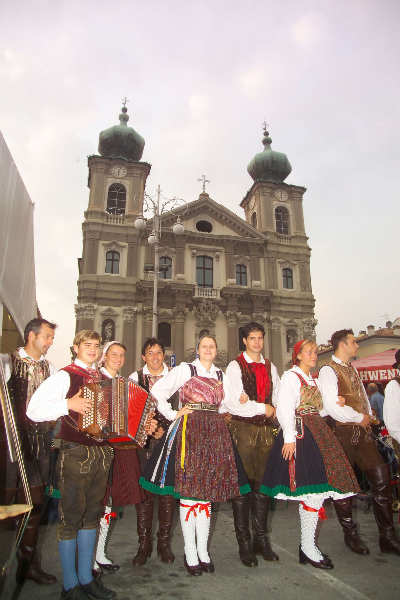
(197, 458)
(319, 465)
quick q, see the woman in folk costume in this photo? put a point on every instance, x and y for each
(197, 462)
(307, 462)
(123, 488)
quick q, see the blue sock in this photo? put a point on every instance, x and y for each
(86, 541)
(67, 550)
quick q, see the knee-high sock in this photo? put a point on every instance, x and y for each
(308, 524)
(203, 521)
(102, 539)
(67, 551)
(187, 515)
(86, 541)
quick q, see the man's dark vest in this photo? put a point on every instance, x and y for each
(249, 380)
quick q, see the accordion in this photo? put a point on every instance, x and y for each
(120, 411)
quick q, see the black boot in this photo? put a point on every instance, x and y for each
(259, 516)
(29, 566)
(144, 515)
(241, 516)
(379, 480)
(344, 512)
(166, 510)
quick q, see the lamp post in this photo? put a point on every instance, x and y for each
(154, 240)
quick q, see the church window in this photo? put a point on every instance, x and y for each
(108, 331)
(287, 276)
(165, 267)
(282, 220)
(254, 219)
(204, 226)
(204, 271)
(241, 275)
(291, 335)
(116, 199)
(112, 262)
(164, 334)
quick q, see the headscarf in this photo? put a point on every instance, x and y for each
(296, 350)
(106, 348)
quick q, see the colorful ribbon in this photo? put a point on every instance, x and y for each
(321, 511)
(183, 448)
(200, 506)
(109, 516)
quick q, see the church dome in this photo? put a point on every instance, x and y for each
(269, 165)
(121, 141)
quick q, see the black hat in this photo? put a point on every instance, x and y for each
(396, 365)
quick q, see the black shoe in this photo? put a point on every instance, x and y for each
(208, 567)
(196, 570)
(106, 568)
(95, 589)
(75, 593)
(321, 564)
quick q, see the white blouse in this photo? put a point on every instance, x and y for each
(289, 400)
(391, 409)
(165, 387)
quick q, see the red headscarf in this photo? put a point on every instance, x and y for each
(296, 349)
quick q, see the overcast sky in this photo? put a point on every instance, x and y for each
(201, 78)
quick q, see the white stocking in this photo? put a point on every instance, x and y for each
(203, 520)
(187, 516)
(308, 523)
(104, 527)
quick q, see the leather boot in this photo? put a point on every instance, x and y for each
(379, 480)
(166, 510)
(144, 515)
(259, 516)
(344, 512)
(241, 516)
(29, 566)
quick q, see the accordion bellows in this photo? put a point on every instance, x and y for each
(120, 410)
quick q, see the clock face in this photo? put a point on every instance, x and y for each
(119, 171)
(281, 195)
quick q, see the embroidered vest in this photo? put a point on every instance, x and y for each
(350, 387)
(250, 382)
(310, 397)
(69, 430)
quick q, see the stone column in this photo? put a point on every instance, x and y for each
(276, 345)
(179, 334)
(129, 338)
(85, 314)
(233, 334)
(91, 252)
(180, 259)
(133, 257)
(147, 322)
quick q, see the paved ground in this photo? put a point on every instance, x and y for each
(376, 576)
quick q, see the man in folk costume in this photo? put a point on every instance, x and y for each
(352, 425)
(153, 352)
(25, 369)
(254, 436)
(84, 464)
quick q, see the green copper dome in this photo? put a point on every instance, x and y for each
(269, 165)
(121, 141)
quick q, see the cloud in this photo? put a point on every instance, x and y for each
(11, 66)
(308, 30)
(252, 81)
(198, 105)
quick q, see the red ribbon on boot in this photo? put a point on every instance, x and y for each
(321, 512)
(109, 516)
(200, 506)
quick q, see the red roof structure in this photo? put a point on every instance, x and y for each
(377, 367)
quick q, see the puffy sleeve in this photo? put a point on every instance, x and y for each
(166, 387)
(288, 400)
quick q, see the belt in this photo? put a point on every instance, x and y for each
(202, 406)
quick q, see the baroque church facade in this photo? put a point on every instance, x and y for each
(220, 273)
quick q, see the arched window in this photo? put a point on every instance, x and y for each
(287, 276)
(282, 220)
(254, 219)
(165, 267)
(112, 262)
(108, 331)
(116, 199)
(241, 275)
(164, 334)
(291, 335)
(204, 271)
(242, 347)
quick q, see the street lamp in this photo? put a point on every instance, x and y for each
(154, 240)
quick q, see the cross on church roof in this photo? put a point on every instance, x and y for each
(204, 181)
(265, 126)
(125, 101)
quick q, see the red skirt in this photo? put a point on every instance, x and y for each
(124, 488)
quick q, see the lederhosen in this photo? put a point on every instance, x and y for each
(254, 436)
(358, 443)
(26, 376)
(84, 464)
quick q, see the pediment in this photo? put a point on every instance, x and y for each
(224, 221)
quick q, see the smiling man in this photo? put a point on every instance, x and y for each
(25, 369)
(258, 378)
